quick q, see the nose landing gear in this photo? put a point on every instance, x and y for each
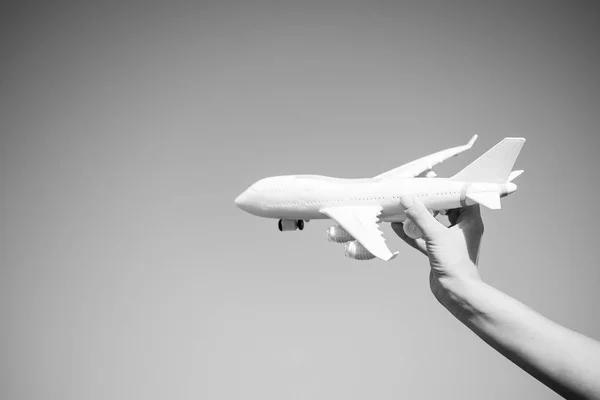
(290, 224)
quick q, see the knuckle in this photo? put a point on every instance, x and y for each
(416, 212)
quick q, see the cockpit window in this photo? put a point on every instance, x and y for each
(274, 183)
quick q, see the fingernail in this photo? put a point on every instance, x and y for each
(406, 201)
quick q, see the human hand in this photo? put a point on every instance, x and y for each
(452, 251)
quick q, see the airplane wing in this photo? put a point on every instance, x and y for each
(361, 223)
(416, 167)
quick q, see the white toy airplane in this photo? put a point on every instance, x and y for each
(358, 205)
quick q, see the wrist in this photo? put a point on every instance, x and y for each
(458, 293)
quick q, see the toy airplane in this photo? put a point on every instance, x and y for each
(358, 205)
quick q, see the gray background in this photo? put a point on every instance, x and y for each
(127, 129)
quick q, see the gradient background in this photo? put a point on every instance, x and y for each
(127, 129)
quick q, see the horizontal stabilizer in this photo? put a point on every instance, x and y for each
(490, 200)
(515, 174)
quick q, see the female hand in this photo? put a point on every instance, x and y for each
(452, 251)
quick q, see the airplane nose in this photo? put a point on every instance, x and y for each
(239, 201)
(243, 201)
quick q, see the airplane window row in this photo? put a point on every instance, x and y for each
(298, 203)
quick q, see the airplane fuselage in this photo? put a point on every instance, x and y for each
(301, 197)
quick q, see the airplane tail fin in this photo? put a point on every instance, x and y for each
(495, 166)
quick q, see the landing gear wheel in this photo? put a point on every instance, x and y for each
(300, 224)
(287, 225)
(412, 230)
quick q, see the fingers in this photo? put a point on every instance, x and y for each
(416, 211)
(418, 244)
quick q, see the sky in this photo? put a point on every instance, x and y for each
(128, 128)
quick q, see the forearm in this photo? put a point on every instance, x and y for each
(564, 360)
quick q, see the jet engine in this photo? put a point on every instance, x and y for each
(338, 234)
(357, 251)
(290, 224)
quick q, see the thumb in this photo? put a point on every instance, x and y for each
(417, 213)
